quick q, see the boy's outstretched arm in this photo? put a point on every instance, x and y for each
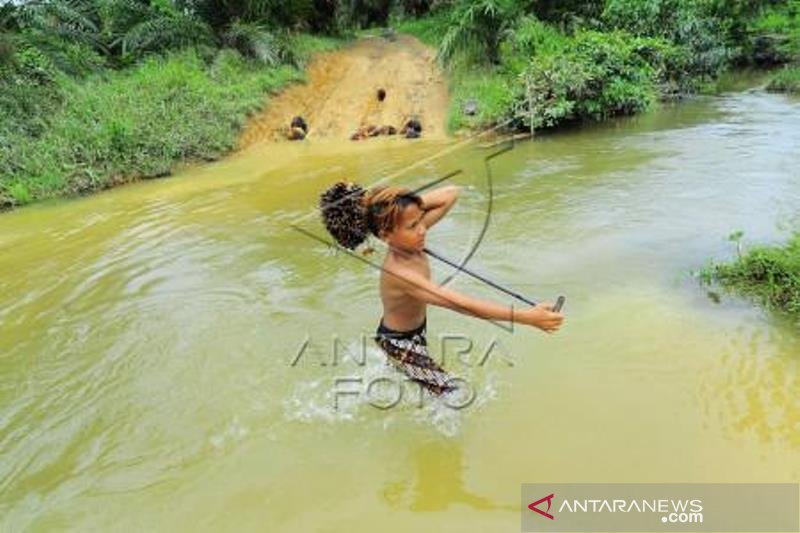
(437, 203)
(418, 286)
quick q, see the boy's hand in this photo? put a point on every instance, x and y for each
(541, 316)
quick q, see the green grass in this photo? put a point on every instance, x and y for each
(136, 123)
(429, 29)
(769, 274)
(786, 80)
(491, 90)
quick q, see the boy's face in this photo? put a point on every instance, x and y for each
(409, 234)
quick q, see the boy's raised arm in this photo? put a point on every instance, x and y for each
(437, 203)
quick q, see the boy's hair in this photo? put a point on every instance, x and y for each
(351, 213)
(385, 205)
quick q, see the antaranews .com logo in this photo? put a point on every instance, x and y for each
(674, 511)
(720, 507)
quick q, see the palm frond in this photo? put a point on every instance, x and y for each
(171, 30)
(68, 17)
(255, 40)
(75, 21)
(476, 25)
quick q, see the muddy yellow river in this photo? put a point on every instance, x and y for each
(184, 354)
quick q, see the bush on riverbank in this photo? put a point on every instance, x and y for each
(694, 25)
(594, 59)
(774, 36)
(770, 274)
(546, 77)
(598, 75)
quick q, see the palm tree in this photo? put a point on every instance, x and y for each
(255, 40)
(123, 30)
(115, 29)
(478, 26)
(163, 25)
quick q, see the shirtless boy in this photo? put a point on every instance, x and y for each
(401, 219)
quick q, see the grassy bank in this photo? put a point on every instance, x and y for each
(769, 274)
(786, 80)
(75, 135)
(541, 64)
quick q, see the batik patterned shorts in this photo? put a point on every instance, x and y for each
(408, 351)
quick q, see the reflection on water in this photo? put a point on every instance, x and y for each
(753, 387)
(437, 482)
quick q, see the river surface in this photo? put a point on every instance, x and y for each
(186, 355)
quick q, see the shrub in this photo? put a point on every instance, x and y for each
(694, 24)
(774, 37)
(598, 75)
(29, 91)
(771, 274)
(528, 38)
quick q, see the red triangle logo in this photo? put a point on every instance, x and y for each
(549, 500)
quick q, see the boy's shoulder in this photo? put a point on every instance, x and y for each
(400, 267)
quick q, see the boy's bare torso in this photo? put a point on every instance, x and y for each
(402, 312)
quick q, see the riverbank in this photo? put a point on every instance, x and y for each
(511, 66)
(77, 119)
(69, 135)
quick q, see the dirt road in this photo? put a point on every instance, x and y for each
(340, 94)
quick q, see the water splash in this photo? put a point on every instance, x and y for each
(376, 393)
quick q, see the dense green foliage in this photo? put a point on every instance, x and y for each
(771, 274)
(598, 75)
(97, 92)
(691, 23)
(93, 92)
(478, 26)
(774, 36)
(546, 62)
